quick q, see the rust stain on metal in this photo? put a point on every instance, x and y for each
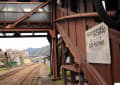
(24, 17)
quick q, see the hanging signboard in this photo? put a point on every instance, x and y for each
(97, 44)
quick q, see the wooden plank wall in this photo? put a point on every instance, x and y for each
(115, 53)
(75, 29)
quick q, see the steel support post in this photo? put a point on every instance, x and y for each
(55, 58)
(54, 51)
(51, 54)
(53, 33)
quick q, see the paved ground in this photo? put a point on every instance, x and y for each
(43, 78)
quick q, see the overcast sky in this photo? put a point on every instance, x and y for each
(22, 43)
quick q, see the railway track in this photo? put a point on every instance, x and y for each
(25, 76)
(30, 78)
(4, 76)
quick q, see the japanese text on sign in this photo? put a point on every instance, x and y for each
(97, 43)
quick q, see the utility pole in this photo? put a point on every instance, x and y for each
(6, 56)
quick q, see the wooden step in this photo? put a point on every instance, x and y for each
(74, 68)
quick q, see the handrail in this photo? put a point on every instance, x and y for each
(83, 15)
(27, 15)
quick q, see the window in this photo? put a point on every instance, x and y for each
(74, 5)
(63, 3)
(111, 4)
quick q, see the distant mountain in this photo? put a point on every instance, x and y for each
(44, 51)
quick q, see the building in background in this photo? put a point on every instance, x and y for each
(2, 58)
(15, 56)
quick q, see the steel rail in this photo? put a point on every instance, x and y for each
(30, 73)
(4, 76)
(33, 77)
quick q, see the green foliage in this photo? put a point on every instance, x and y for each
(4, 70)
(48, 70)
(67, 73)
(12, 63)
(60, 82)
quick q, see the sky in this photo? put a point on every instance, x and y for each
(22, 43)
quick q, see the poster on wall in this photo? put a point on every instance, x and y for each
(97, 44)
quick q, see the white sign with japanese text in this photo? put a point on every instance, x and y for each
(97, 44)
